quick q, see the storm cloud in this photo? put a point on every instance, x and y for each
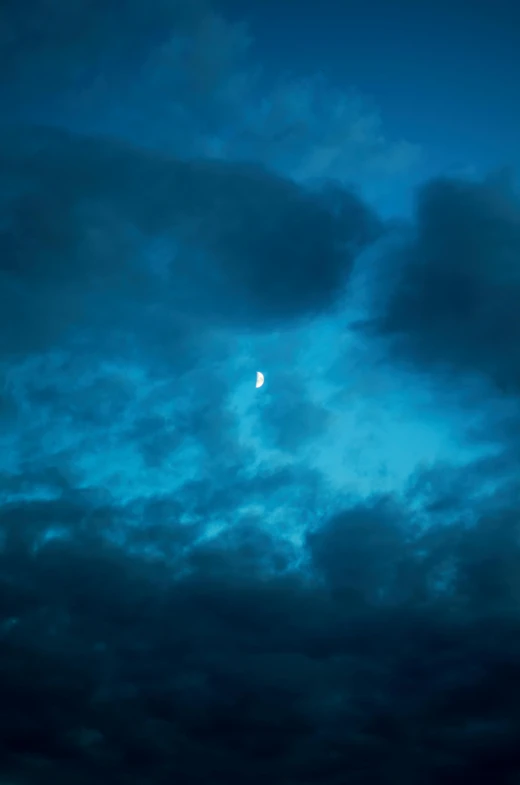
(84, 219)
(393, 655)
(454, 303)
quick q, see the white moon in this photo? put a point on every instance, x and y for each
(259, 379)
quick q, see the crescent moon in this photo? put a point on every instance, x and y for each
(259, 379)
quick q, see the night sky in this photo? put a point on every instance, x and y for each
(316, 582)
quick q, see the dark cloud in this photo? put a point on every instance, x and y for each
(395, 658)
(454, 305)
(234, 243)
(361, 551)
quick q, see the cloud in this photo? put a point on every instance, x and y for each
(314, 131)
(182, 78)
(453, 305)
(287, 417)
(186, 593)
(361, 550)
(235, 243)
(240, 663)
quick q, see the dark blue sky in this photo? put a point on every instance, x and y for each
(315, 581)
(444, 74)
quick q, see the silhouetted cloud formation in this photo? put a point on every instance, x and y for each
(234, 242)
(393, 655)
(455, 303)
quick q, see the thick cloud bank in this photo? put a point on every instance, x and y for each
(393, 656)
(90, 222)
